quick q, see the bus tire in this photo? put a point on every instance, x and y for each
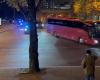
(55, 34)
(81, 40)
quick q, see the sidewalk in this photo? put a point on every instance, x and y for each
(4, 28)
(60, 73)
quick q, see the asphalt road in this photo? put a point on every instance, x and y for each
(53, 52)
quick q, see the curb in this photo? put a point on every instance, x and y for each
(61, 73)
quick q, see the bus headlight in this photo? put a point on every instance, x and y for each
(42, 25)
(96, 41)
(95, 23)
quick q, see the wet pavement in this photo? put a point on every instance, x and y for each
(54, 73)
(60, 58)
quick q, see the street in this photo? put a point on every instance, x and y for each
(53, 52)
(59, 58)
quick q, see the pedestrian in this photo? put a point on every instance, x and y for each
(88, 65)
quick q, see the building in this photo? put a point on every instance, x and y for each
(58, 4)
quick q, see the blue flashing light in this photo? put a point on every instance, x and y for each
(25, 29)
(26, 26)
(21, 23)
(22, 29)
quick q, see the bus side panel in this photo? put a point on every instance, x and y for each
(69, 33)
(75, 34)
(55, 29)
(59, 31)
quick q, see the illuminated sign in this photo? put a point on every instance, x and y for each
(0, 21)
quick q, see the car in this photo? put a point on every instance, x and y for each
(22, 25)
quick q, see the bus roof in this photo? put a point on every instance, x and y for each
(72, 19)
(67, 18)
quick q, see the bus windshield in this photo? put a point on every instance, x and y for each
(97, 25)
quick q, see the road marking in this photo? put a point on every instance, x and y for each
(64, 66)
(44, 67)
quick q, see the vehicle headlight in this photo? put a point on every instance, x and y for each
(26, 26)
(42, 25)
(95, 23)
(96, 41)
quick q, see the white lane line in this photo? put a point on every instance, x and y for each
(64, 66)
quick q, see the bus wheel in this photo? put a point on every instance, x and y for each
(55, 34)
(81, 40)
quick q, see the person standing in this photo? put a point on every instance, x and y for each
(88, 65)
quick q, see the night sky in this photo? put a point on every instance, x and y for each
(8, 12)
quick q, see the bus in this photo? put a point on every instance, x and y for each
(72, 29)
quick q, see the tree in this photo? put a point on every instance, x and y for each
(33, 47)
(96, 6)
(86, 8)
(76, 8)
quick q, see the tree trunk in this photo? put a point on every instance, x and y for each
(33, 47)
